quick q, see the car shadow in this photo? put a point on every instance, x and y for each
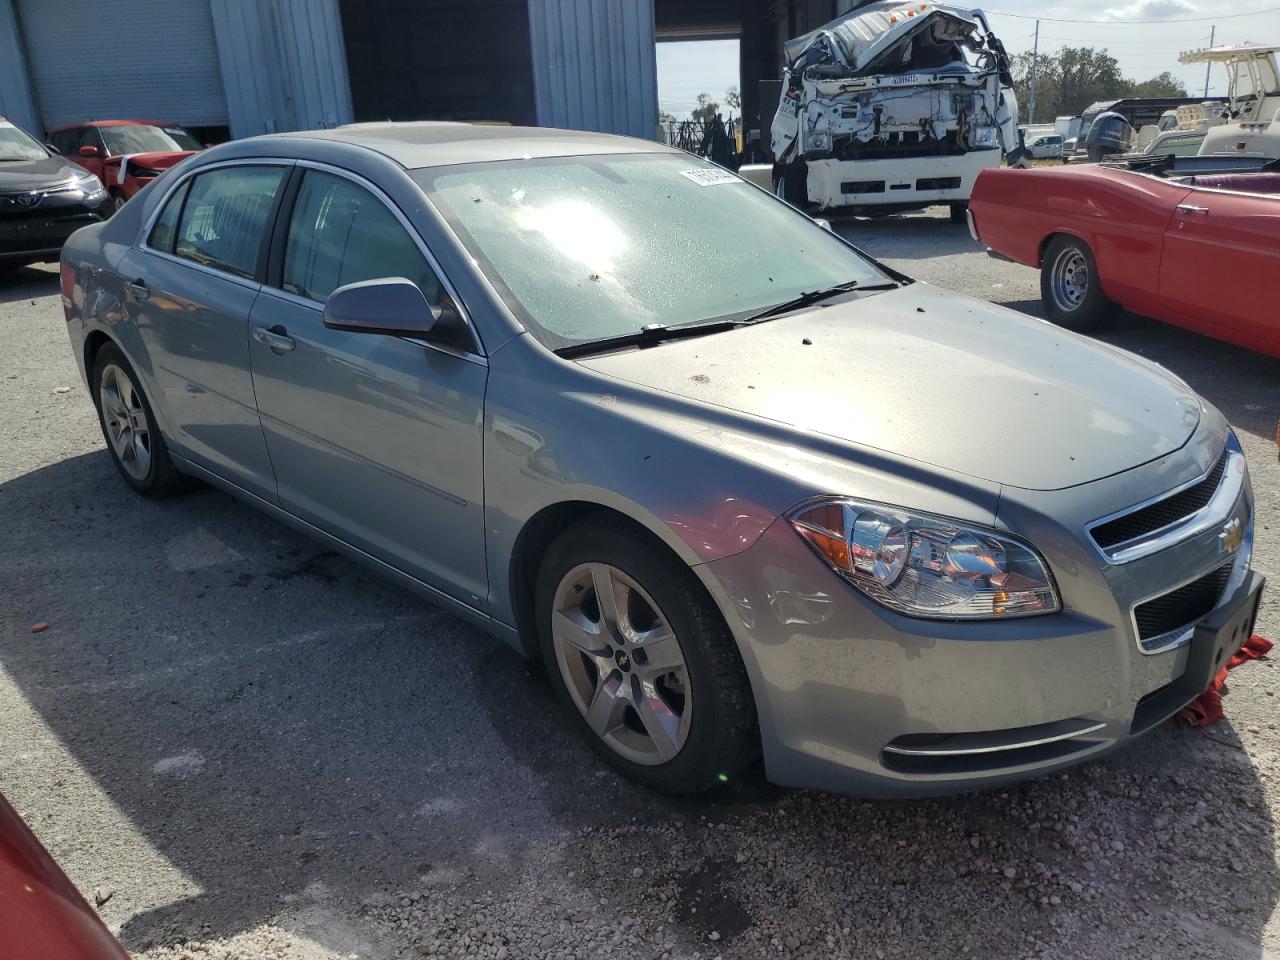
(28, 283)
(279, 724)
(918, 235)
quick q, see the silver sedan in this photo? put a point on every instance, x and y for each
(741, 488)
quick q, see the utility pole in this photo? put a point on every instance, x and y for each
(1212, 31)
(1035, 58)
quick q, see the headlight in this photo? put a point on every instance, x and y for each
(90, 186)
(986, 137)
(927, 566)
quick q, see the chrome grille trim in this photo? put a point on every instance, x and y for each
(1214, 512)
(971, 743)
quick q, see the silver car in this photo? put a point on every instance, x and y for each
(741, 488)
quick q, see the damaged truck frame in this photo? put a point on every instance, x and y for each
(893, 106)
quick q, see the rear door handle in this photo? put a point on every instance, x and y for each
(277, 338)
(139, 289)
(1191, 208)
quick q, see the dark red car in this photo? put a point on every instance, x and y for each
(126, 155)
(42, 915)
(1198, 250)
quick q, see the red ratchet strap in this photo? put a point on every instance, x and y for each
(1207, 708)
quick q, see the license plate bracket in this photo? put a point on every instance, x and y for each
(1220, 635)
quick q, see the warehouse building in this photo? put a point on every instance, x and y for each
(236, 68)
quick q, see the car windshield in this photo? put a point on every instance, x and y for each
(16, 144)
(591, 247)
(142, 138)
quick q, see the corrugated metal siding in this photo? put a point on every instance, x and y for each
(284, 66)
(16, 101)
(156, 60)
(595, 65)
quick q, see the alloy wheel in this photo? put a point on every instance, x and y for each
(1069, 279)
(622, 663)
(126, 421)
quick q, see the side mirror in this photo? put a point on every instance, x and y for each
(392, 306)
(89, 150)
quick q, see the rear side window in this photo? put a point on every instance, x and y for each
(340, 233)
(166, 225)
(225, 217)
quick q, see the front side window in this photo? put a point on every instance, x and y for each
(592, 247)
(16, 144)
(340, 233)
(225, 217)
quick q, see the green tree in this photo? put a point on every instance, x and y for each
(1162, 85)
(706, 109)
(732, 99)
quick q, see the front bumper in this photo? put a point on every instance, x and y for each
(911, 181)
(38, 232)
(856, 699)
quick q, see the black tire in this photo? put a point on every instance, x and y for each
(117, 201)
(160, 478)
(958, 211)
(722, 736)
(1069, 287)
(791, 183)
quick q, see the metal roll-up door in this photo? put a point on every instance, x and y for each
(149, 59)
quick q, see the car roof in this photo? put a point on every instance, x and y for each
(110, 123)
(438, 143)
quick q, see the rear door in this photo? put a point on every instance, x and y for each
(190, 287)
(375, 439)
(1221, 260)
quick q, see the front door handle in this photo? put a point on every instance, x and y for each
(139, 289)
(1191, 208)
(277, 338)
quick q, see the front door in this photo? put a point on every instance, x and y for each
(374, 439)
(1220, 264)
(191, 287)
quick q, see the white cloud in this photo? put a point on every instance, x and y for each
(1152, 10)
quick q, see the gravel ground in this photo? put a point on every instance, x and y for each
(242, 746)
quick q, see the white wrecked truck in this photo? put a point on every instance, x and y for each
(893, 106)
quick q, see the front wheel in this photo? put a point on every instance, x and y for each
(1069, 287)
(118, 200)
(642, 660)
(958, 210)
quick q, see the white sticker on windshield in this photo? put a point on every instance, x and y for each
(709, 176)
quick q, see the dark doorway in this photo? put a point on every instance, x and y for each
(439, 60)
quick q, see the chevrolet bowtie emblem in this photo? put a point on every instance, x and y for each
(1231, 536)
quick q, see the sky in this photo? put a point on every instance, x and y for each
(1144, 49)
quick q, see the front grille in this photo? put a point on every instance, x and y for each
(1162, 513)
(1182, 607)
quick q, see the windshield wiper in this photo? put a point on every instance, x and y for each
(646, 335)
(809, 298)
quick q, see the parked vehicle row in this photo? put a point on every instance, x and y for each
(705, 490)
(83, 174)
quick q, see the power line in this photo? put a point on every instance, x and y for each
(1121, 23)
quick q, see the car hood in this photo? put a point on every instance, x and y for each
(159, 160)
(19, 175)
(938, 378)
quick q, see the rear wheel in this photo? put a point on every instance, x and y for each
(129, 427)
(1069, 287)
(642, 660)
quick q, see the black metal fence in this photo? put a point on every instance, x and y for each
(715, 139)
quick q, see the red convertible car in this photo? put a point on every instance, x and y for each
(125, 155)
(1198, 250)
(42, 915)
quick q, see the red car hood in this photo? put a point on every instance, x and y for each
(160, 160)
(42, 915)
